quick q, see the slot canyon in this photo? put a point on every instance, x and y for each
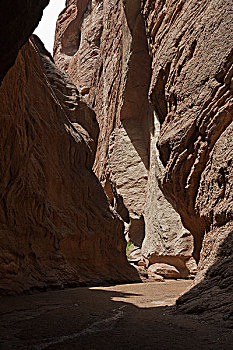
(116, 186)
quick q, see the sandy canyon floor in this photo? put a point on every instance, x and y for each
(136, 316)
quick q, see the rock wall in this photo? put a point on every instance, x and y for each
(18, 19)
(56, 225)
(191, 92)
(159, 77)
(111, 66)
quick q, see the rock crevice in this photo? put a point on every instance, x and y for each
(115, 80)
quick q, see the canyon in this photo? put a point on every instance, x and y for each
(125, 134)
(158, 75)
(111, 67)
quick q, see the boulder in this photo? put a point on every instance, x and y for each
(154, 277)
(165, 270)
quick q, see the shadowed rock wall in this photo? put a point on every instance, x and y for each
(56, 226)
(191, 92)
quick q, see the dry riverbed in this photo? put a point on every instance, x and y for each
(135, 316)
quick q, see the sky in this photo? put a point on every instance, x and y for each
(47, 25)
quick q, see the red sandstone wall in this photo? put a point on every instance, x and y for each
(191, 92)
(56, 226)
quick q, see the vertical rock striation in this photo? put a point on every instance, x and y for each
(111, 66)
(56, 226)
(191, 92)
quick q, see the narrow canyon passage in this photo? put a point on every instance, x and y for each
(136, 316)
(116, 156)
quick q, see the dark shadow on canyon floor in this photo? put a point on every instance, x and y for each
(117, 317)
(212, 298)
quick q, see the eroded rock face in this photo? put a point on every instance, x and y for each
(156, 157)
(111, 66)
(56, 225)
(212, 296)
(18, 19)
(191, 92)
(180, 55)
(166, 241)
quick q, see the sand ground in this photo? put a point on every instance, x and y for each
(135, 316)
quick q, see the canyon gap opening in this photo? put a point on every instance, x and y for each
(47, 25)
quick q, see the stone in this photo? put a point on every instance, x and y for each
(111, 66)
(154, 277)
(147, 275)
(133, 253)
(143, 262)
(57, 228)
(211, 297)
(192, 266)
(142, 272)
(158, 75)
(166, 240)
(167, 271)
(191, 93)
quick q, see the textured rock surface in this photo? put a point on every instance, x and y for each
(212, 298)
(111, 66)
(56, 225)
(167, 271)
(166, 240)
(190, 88)
(153, 159)
(191, 92)
(154, 277)
(18, 19)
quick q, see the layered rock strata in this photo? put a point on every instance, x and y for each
(103, 46)
(56, 226)
(18, 19)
